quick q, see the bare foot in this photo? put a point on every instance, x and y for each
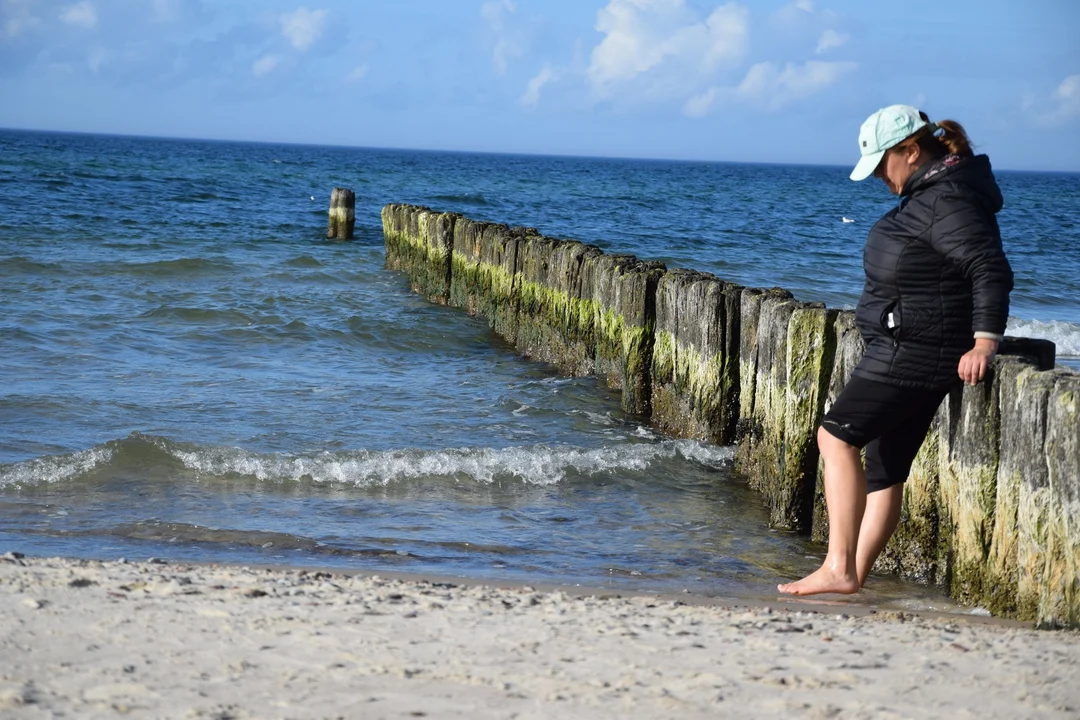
(824, 580)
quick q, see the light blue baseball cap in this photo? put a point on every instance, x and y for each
(884, 129)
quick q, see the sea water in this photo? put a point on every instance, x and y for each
(191, 371)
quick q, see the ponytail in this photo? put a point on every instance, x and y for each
(954, 138)
(948, 138)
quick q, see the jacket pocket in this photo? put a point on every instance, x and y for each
(892, 321)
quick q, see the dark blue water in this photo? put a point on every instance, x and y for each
(190, 370)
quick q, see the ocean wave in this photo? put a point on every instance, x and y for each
(303, 261)
(195, 197)
(1065, 335)
(20, 265)
(533, 465)
(202, 316)
(464, 199)
(173, 268)
(54, 469)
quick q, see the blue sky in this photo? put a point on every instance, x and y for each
(742, 81)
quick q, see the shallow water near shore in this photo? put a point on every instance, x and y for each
(192, 372)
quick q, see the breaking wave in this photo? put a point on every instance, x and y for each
(540, 464)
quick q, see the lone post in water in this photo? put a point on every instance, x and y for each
(342, 214)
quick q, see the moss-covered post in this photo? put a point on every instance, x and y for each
(620, 290)
(393, 222)
(849, 350)
(419, 242)
(1059, 602)
(759, 456)
(811, 348)
(549, 325)
(1022, 453)
(468, 285)
(968, 485)
(342, 214)
(695, 367)
(749, 343)
(499, 250)
(568, 314)
(1023, 458)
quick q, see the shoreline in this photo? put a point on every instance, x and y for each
(853, 605)
(83, 637)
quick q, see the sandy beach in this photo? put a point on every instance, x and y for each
(149, 639)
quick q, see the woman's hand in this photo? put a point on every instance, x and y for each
(976, 361)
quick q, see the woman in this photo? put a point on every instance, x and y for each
(931, 314)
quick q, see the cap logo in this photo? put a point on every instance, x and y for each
(864, 143)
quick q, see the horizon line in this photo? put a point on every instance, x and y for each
(472, 152)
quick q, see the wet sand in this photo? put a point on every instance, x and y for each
(104, 639)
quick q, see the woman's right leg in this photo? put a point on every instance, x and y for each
(888, 464)
(845, 498)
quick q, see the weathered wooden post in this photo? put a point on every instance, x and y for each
(342, 214)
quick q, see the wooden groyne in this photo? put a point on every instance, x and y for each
(992, 509)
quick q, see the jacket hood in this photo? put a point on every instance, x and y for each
(973, 172)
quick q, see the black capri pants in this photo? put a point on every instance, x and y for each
(889, 421)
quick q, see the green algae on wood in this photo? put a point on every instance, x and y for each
(1019, 450)
(621, 295)
(1017, 552)
(969, 486)
(749, 312)
(695, 370)
(811, 347)
(468, 279)
(1059, 601)
(342, 216)
(418, 242)
(484, 271)
(1024, 429)
(555, 324)
(760, 454)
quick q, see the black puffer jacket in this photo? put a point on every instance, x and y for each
(935, 264)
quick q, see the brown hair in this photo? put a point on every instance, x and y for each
(951, 140)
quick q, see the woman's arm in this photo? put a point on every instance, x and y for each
(967, 234)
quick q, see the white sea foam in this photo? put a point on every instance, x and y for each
(534, 465)
(54, 468)
(1065, 335)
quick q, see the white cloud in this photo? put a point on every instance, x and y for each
(1062, 106)
(531, 98)
(81, 14)
(358, 73)
(96, 59)
(16, 17)
(165, 11)
(650, 37)
(1068, 94)
(772, 88)
(302, 27)
(794, 13)
(831, 39)
(700, 105)
(508, 42)
(264, 65)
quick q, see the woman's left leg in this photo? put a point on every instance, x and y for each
(879, 522)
